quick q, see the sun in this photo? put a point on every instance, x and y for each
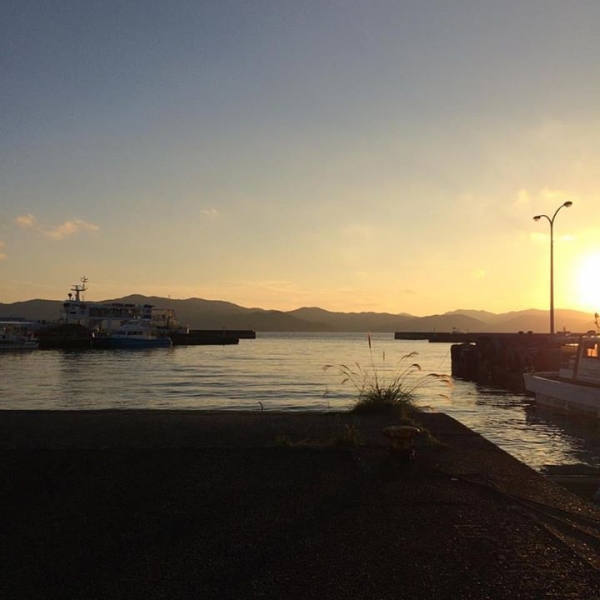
(588, 283)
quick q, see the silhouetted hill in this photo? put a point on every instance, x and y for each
(43, 310)
(363, 321)
(445, 323)
(215, 314)
(481, 315)
(198, 313)
(539, 321)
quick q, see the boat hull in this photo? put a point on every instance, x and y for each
(11, 346)
(563, 395)
(131, 343)
(66, 336)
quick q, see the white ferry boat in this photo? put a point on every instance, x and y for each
(110, 316)
(85, 324)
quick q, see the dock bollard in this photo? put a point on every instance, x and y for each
(401, 439)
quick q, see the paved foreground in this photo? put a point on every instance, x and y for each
(265, 505)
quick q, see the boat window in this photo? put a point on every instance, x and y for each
(592, 351)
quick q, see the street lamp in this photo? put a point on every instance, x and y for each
(551, 221)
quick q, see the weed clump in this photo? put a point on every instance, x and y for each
(384, 389)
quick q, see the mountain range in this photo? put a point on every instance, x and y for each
(215, 314)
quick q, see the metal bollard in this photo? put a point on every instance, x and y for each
(401, 439)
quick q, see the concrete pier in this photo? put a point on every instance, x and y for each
(152, 504)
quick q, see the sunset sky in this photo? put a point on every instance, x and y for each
(357, 156)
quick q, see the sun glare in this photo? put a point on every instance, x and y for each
(588, 283)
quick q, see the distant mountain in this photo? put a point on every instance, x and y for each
(43, 310)
(445, 323)
(480, 315)
(215, 314)
(539, 321)
(364, 321)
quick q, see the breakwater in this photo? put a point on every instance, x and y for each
(499, 358)
(72, 336)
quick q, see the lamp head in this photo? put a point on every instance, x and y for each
(567, 204)
(537, 217)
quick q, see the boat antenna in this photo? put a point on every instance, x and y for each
(79, 289)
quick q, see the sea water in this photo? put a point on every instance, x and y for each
(285, 372)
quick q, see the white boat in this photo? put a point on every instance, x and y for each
(136, 333)
(576, 386)
(17, 335)
(109, 316)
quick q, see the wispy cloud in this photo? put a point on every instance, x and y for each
(58, 232)
(210, 213)
(69, 228)
(554, 195)
(2, 255)
(539, 237)
(546, 196)
(522, 200)
(25, 221)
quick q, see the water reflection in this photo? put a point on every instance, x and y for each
(581, 433)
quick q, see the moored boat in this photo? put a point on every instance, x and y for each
(576, 386)
(17, 335)
(84, 324)
(136, 333)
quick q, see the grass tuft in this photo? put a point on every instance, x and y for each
(385, 390)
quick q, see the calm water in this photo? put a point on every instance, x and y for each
(284, 371)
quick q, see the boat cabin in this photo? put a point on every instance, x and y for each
(582, 361)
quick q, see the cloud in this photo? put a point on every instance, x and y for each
(69, 228)
(25, 221)
(527, 204)
(2, 255)
(210, 213)
(556, 196)
(523, 200)
(60, 231)
(538, 238)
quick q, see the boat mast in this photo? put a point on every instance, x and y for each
(79, 289)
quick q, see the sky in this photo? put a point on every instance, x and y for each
(382, 156)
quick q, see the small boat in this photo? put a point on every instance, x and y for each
(136, 333)
(17, 335)
(576, 386)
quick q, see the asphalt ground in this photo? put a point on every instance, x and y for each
(161, 504)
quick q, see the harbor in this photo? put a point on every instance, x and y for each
(179, 483)
(111, 325)
(285, 372)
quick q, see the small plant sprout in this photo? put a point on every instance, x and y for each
(384, 389)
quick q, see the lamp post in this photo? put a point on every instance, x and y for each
(551, 221)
